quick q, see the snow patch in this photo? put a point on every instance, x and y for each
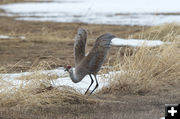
(136, 42)
(10, 37)
(118, 12)
(22, 37)
(63, 80)
(5, 37)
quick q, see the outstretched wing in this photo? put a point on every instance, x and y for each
(97, 55)
(79, 45)
(104, 41)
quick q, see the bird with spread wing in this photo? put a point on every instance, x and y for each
(90, 64)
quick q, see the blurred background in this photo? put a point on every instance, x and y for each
(117, 12)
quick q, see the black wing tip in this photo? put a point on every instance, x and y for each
(107, 36)
(110, 34)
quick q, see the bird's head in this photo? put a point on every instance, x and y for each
(67, 68)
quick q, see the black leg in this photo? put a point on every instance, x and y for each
(90, 84)
(95, 86)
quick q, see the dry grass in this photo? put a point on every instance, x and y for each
(40, 93)
(166, 32)
(148, 70)
(38, 90)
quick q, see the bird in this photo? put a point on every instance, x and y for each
(91, 63)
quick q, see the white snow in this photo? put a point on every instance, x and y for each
(136, 42)
(10, 37)
(22, 37)
(4, 37)
(97, 6)
(120, 12)
(63, 79)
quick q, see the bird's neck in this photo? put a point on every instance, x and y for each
(73, 77)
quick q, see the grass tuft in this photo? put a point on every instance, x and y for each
(165, 32)
(40, 93)
(146, 70)
(37, 90)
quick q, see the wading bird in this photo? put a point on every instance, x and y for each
(90, 64)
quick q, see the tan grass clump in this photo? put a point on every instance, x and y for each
(38, 90)
(166, 32)
(148, 70)
(39, 93)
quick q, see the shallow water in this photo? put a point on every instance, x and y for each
(118, 12)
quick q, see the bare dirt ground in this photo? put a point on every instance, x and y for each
(53, 42)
